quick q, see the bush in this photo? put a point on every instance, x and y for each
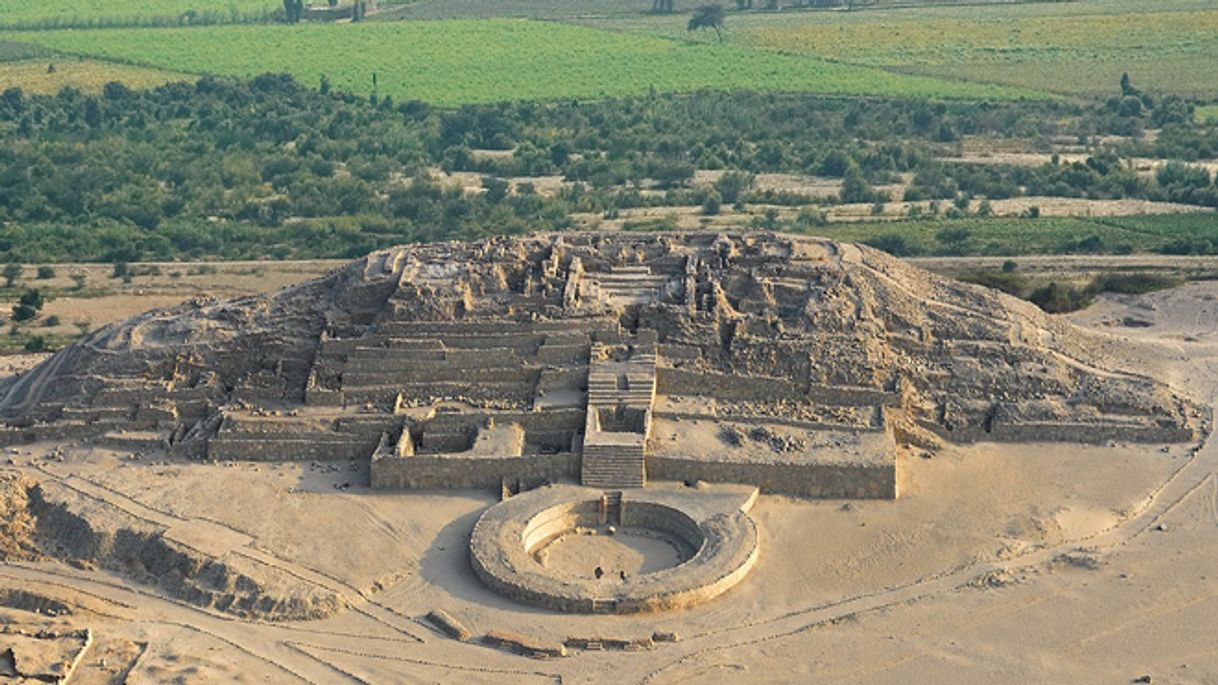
(1007, 282)
(46, 272)
(35, 344)
(51, 321)
(893, 244)
(732, 185)
(1057, 298)
(712, 204)
(954, 240)
(1133, 284)
(24, 312)
(11, 273)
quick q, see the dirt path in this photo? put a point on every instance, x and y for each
(214, 539)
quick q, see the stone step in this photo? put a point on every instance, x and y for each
(613, 482)
(606, 399)
(627, 475)
(612, 451)
(636, 462)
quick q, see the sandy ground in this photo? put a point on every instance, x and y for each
(1143, 165)
(999, 564)
(84, 297)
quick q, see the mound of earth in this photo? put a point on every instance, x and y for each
(52, 520)
(829, 319)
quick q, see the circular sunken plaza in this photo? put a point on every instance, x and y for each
(701, 538)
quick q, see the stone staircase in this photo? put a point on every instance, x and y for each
(613, 508)
(614, 466)
(607, 388)
(620, 398)
(627, 285)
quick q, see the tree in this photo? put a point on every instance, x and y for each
(661, 6)
(732, 185)
(93, 114)
(29, 305)
(708, 17)
(11, 273)
(954, 240)
(293, 10)
(855, 188)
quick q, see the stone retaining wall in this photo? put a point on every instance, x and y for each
(1064, 432)
(671, 381)
(455, 471)
(297, 447)
(826, 481)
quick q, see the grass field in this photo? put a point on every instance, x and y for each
(461, 61)
(84, 13)
(1015, 236)
(1078, 48)
(88, 76)
(1207, 113)
(13, 51)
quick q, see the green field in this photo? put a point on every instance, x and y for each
(467, 61)
(85, 13)
(1078, 48)
(1166, 233)
(1207, 114)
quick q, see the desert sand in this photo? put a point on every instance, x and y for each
(999, 563)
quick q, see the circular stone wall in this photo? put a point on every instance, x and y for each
(713, 539)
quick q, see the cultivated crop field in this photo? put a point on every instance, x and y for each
(466, 61)
(88, 76)
(1069, 48)
(84, 13)
(1014, 236)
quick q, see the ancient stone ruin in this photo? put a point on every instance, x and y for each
(789, 364)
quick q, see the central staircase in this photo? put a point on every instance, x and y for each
(614, 466)
(621, 393)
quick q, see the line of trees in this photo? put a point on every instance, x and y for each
(270, 167)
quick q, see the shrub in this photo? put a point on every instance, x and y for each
(1057, 298)
(954, 240)
(1133, 284)
(1007, 282)
(893, 244)
(46, 272)
(23, 312)
(732, 185)
(11, 273)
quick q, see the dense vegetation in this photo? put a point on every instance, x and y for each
(469, 61)
(270, 168)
